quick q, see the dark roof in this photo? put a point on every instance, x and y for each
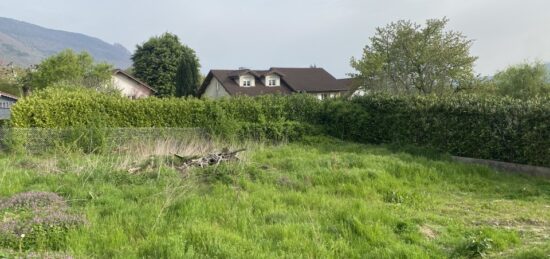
(120, 71)
(241, 72)
(274, 71)
(347, 82)
(225, 77)
(9, 96)
(312, 80)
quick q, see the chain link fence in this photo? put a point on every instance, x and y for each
(98, 140)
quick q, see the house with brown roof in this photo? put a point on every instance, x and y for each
(316, 81)
(130, 86)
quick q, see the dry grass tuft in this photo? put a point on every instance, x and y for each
(137, 153)
(428, 232)
(168, 147)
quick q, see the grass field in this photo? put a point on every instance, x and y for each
(319, 198)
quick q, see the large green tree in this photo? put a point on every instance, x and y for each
(167, 65)
(188, 76)
(523, 81)
(405, 57)
(68, 67)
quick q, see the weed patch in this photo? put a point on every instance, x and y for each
(329, 199)
(36, 221)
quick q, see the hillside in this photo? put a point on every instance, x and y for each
(26, 44)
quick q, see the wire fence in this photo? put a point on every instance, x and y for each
(97, 140)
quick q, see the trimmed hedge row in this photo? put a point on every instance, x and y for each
(266, 117)
(481, 127)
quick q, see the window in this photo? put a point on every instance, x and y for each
(273, 80)
(325, 96)
(246, 81)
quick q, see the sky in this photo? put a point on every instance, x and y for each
(258, 34)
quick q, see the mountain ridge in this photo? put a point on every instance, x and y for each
(27, 44)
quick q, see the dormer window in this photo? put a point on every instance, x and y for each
(273, 80)
(247, 81)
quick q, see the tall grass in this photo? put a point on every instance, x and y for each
(316, 198)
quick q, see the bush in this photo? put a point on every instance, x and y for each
(465, 125)
(345, 120)
(266, 117)
(482, 127)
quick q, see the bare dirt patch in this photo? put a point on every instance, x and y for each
(428, 232)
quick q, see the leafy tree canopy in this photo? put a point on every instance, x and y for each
(405, 57)
(188, 76)
(68, 67)
(523, 81)
(167, 65)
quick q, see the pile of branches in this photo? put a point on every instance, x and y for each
(209, 160)
(185, 163)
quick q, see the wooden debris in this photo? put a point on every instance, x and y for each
(186, 162)
(209, 160)
(186, 158)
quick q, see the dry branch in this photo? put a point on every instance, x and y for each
(187, 162)
(211, 159)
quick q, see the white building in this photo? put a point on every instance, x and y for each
(130, 86)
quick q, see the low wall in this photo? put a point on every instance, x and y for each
(507, 167)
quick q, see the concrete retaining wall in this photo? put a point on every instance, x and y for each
(507, 167)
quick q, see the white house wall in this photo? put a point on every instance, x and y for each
(327, 95)
(130, 88)
(215, 90)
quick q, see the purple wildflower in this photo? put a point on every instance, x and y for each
(32, 201)
(26, 213)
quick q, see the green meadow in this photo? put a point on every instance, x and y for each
(317, 198)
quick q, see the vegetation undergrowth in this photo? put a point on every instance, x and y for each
(316, 198)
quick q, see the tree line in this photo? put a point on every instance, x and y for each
(411, 59)
(163, 62)
(401, 58)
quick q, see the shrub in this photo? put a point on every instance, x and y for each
(265, 117)
(465, 125)
(344, 119)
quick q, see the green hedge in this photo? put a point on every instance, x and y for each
(271, 117)
(481, 127)
(473, 126)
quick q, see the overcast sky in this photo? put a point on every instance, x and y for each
(296, 33)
